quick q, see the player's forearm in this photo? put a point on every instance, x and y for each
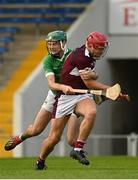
(87, 74)
(58, 87)
(55, 86)
(61, 87)
(52, 84)
(91, 84)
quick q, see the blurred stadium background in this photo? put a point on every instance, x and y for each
(23, 26)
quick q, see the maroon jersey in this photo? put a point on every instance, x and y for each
(77, 60)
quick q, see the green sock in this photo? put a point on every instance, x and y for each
(22, 137)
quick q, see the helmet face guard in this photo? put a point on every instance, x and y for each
(98, 41)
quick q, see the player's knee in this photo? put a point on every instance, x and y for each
(91, 114)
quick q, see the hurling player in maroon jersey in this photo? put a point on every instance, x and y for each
(83, 58)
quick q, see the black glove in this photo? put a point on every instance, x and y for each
(99, 99)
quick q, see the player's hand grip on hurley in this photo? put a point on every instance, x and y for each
(123, 97)
(66, 89)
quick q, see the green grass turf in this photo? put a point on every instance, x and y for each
(112, 167)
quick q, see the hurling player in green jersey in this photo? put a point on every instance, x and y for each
(52, 65)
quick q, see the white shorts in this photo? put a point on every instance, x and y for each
(49, 101)
(65, 104)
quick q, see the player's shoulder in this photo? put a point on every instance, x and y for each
(47, 58)
(79, 50)
(69, 50)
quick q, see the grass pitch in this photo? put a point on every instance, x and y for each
(112, 167)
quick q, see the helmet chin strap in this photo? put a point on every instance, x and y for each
(63, 47)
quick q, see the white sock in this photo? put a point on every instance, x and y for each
(77, 149)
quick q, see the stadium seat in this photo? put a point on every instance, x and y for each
(41, 10)
(6, 40)
(44, 1)
(53, 12)
(10, 30)
(3, 49)
(51, 20)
